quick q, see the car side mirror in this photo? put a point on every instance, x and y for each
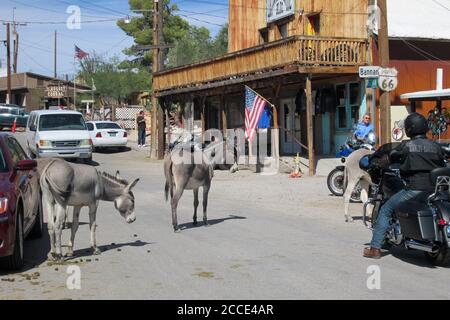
(25, 165)
(32, 127)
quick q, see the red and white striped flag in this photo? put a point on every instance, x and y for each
(254, 107)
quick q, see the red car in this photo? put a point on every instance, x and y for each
(20, 202)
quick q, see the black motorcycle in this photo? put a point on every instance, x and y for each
(420, 224)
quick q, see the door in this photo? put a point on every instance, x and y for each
(291, 128)
(27, 183)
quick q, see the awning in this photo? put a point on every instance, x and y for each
(432, 95)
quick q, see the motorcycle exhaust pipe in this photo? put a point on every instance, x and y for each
(422, 247)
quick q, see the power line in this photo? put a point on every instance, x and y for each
(441, 5)
(200, 20)
(203, 13)
(47, 9)
(102, 7)
(57, 22)
(422, 52)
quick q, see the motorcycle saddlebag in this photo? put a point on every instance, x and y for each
(416, 221)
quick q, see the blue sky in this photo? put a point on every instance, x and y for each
(36, 38)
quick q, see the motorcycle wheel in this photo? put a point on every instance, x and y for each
(440, 258)
(356, 195)
(335, 182)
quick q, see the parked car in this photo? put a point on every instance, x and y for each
(20, 202)
(58, 134)
(9, 112)
(107, 134)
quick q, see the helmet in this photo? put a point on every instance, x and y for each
(416, 125)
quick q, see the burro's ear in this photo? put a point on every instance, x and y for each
(131, 185)
(118, 175)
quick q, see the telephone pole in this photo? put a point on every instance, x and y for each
(16, 40)
(157, 143)
(383, 51)
(8, 63)
(55, 57)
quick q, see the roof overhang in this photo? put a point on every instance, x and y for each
(432, 95)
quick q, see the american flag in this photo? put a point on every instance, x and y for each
(80, 54)
(254, 107)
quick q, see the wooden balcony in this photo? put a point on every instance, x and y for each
(295, 51)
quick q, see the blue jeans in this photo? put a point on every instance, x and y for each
(384, 217)
(141, 137)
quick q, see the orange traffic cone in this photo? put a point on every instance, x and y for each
(14, 126)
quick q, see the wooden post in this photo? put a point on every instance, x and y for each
(385, 98)
(276, 126)
(155, 67)
(309, 116)
(202, 116)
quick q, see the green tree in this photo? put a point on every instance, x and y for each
(141, 28)
(112, 83)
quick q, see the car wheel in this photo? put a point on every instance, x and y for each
(15, 261)
(38, 228)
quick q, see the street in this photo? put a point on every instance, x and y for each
(270, 237)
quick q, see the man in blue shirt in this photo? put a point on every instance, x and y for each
(364, 128)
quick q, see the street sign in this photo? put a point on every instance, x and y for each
(387, 80)
(369, 72)
(371, 83)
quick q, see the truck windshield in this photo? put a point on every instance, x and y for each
(56, 122)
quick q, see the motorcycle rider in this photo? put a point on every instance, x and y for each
(417, 158)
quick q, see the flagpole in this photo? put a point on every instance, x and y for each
(74, 85)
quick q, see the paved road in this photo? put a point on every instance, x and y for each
(270, 238)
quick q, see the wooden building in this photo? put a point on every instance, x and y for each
(301, 55)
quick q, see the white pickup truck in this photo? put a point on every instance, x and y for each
(59, 134)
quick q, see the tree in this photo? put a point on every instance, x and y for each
(198, 45)
(141, 28)
(111, 82)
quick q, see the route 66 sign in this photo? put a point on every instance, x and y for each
(387, 80)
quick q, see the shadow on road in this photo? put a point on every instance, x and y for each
(87, 252)
(186, 226)
(112, 150)
(35, 253)
(413, 257)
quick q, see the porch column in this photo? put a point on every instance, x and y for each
(309, 118)
(276, 126)
(202, 117)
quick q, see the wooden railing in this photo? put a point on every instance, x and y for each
(301, 51)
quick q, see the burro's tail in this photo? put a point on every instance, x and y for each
(169, 177)
(47, 182)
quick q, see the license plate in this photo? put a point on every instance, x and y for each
(113, 134)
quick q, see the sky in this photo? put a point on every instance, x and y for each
(98, 32)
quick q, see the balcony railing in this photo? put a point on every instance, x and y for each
(301, 51)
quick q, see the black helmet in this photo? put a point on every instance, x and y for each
(416, 125)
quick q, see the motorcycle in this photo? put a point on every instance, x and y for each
(420, 224)
(335, 179)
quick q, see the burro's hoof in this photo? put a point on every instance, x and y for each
(349, 220)
(176, 229)
(96, 251)
(206, 223)
(55, 257)
(69, 254)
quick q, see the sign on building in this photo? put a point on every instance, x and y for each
(387, 79)
(369, 72)
(56, 91)
(278, 9)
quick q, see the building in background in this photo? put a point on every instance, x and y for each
(34, 91)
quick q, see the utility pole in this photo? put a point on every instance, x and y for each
(154, 154)
(16, 40)
(8, 63)
(383, 51)
(55, 75)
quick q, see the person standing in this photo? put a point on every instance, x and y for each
(141, 129)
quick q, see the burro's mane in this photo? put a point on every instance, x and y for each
(112, 179)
